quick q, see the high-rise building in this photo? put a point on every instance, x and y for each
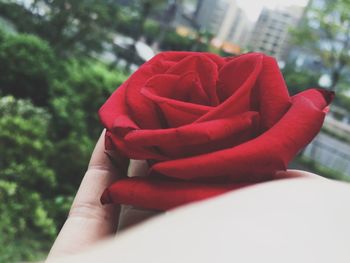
(240, 29)
(271, 31)
(227, 21)
(224, 19)
(210, 14)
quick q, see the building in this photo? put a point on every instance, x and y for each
(209, 14)
(271, 31)
(227, 21)
(224, 19)
(241, 29)
(332, 37)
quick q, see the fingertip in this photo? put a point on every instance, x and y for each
(100, 158)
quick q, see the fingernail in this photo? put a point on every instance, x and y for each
(106, 197)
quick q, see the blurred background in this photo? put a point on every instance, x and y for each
(61, 59)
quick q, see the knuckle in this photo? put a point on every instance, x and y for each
(89, 210)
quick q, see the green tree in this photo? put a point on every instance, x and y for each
(26, 68)
(69, 26)
(27, 226)
(145, 9)
(44, 150)
(166, 21)
(77, 96)
(137, 21)
(325, 32)
(298, 80)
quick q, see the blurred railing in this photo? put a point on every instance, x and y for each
(330, 152)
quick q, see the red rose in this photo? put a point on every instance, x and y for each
(207, 121)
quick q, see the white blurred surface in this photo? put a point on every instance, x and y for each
(291, 220)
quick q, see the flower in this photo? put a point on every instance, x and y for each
(204, 119)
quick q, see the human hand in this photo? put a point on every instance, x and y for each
(89, 221)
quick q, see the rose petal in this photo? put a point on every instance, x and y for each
(259, 158)
(319, 97)
(128, 102)
(235, 73)
(114, 112)
(236, 84)
(271, 94)
(185, 87)
(206, 70)
(177, 113)
(176, 56)
(192, 134)
(118, 105)
(198, 138)
(117, 157)
(159, 194)
(134, 151)
(141, 110)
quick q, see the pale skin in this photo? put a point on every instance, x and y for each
(89, 222)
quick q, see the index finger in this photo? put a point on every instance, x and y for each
(88, 220)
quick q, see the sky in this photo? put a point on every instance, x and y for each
(253, 7)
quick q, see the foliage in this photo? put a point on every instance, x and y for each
(71, 27)
(77, 97)
(26, 181)
(152, 31)
(173, 41)
(36, 144)
(137, 19)
(145, 9)
(128, 22)
(75, 101)
(6, 26)
(325, 33)
(321, 170)
(26, 67)
(343, 101)
(298, 80)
